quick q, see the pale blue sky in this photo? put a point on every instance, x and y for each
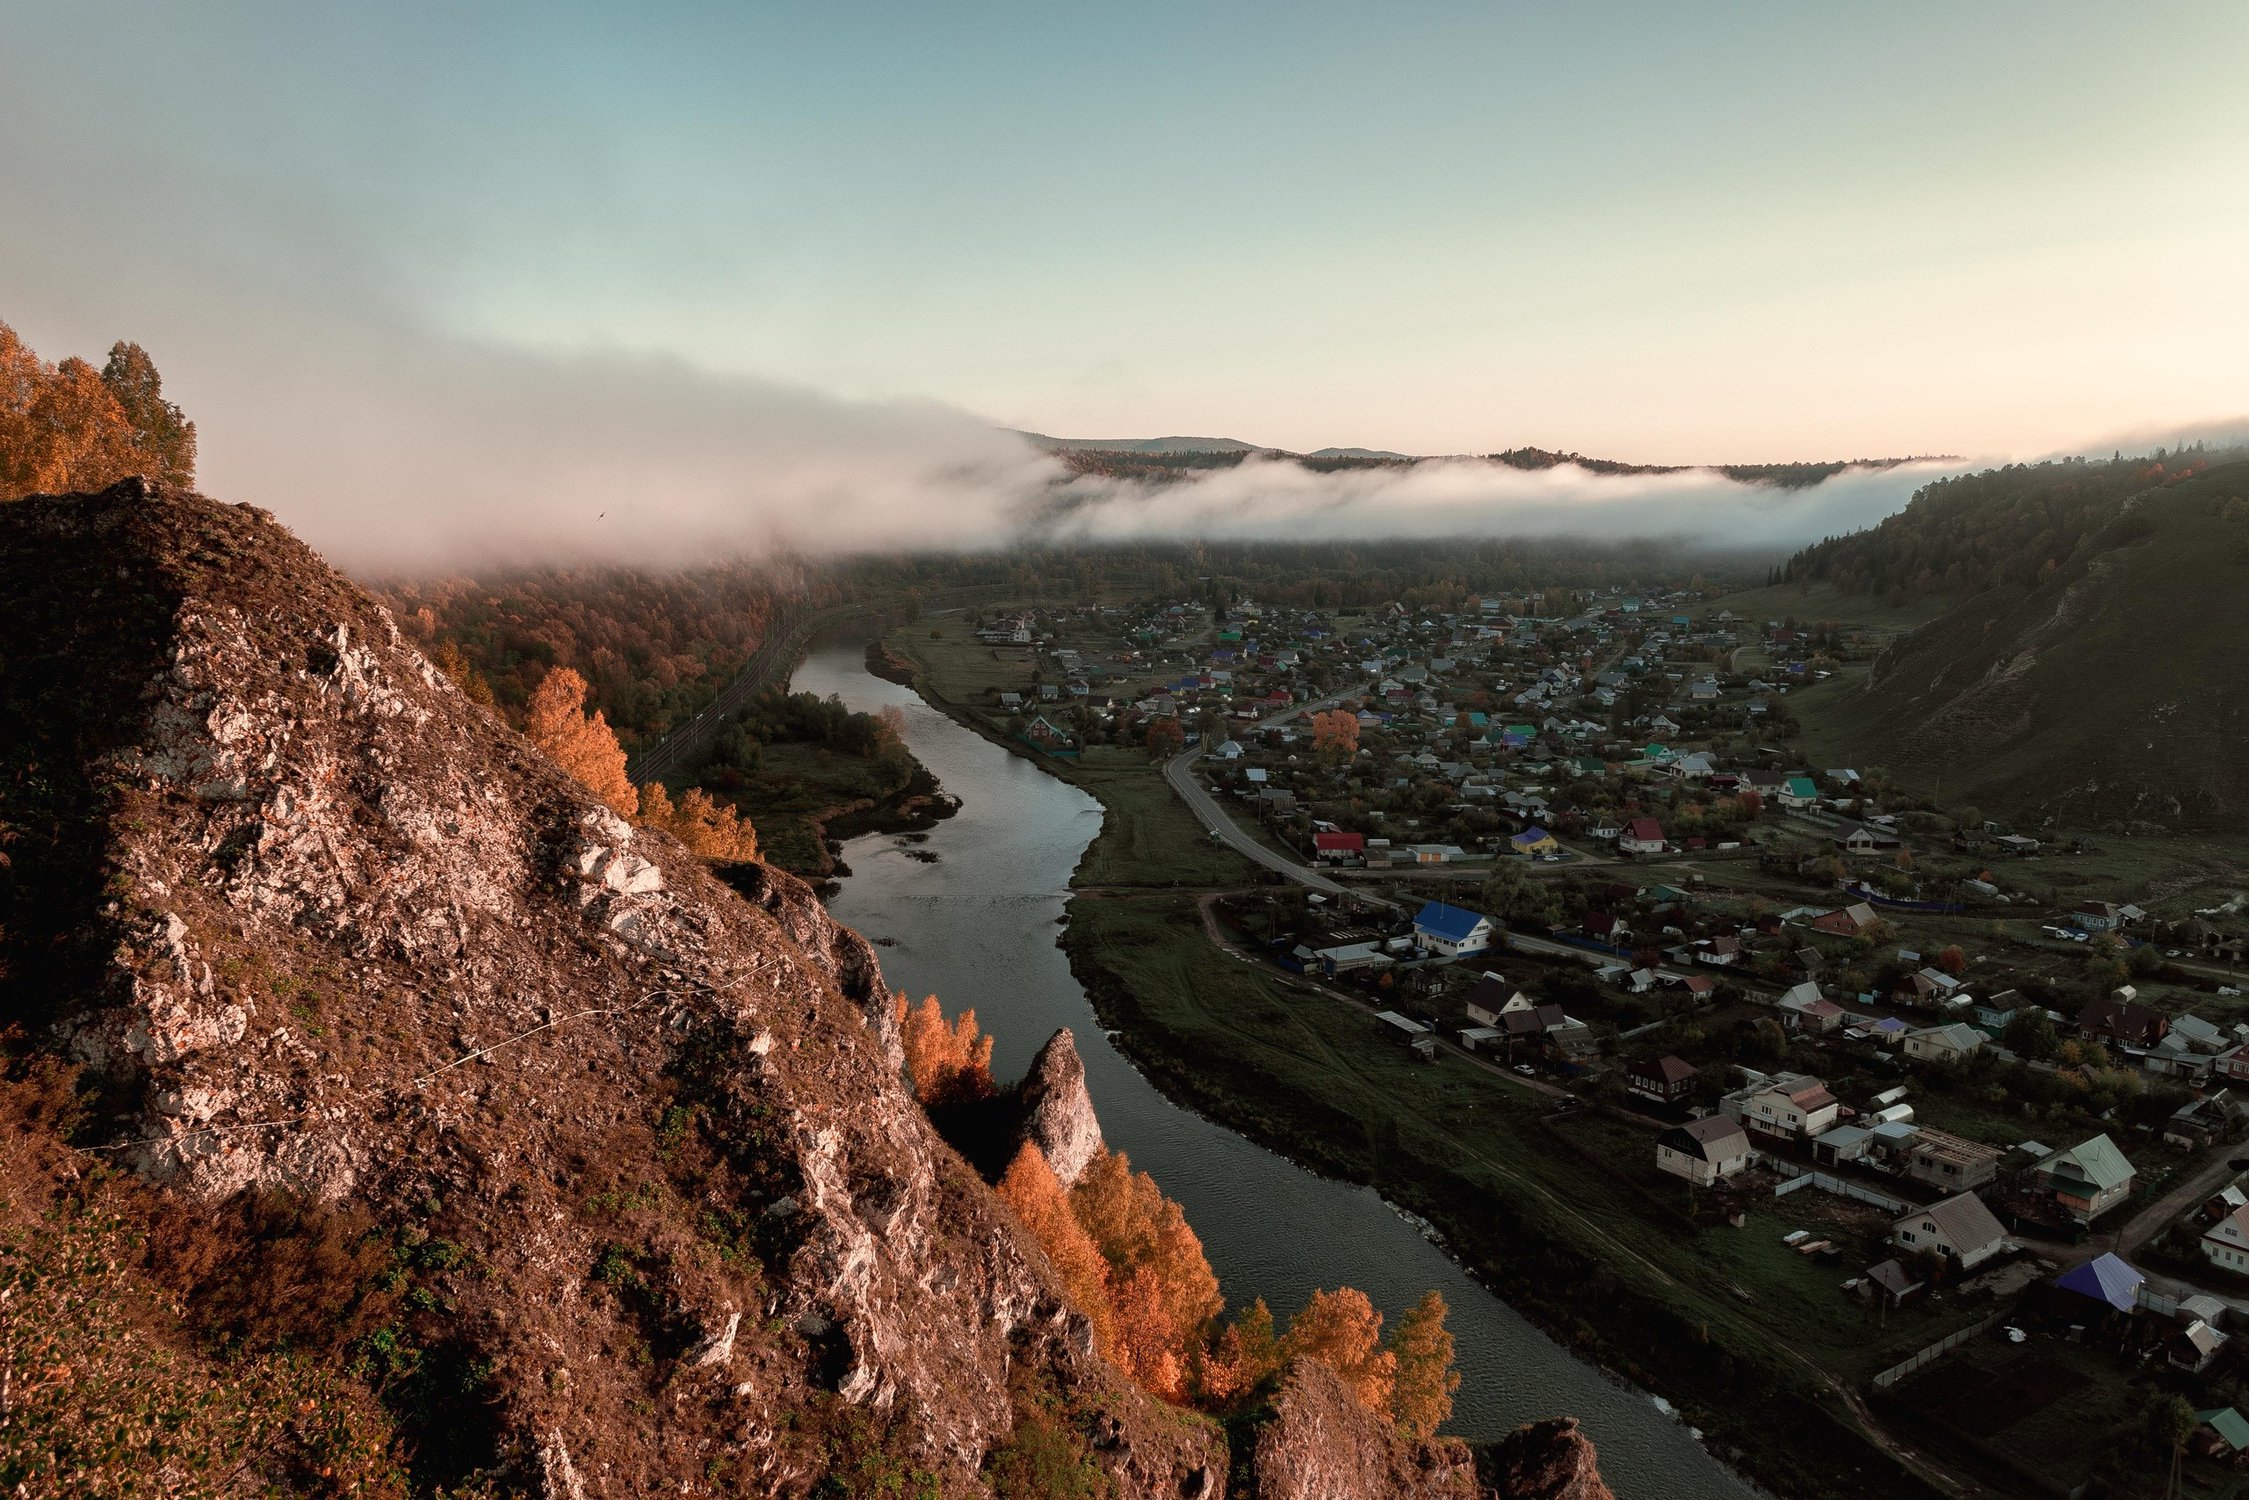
(1657, 230)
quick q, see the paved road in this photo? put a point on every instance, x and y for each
(1179, 771)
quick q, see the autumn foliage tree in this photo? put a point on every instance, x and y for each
(1335, 735)
(1342, 1330)
(709, 828)
(948, 1061)
(68, 426)
(1424, 1378)
(581, 743)
(1125, 1256)
(1162, 1293)
(1165, 738)
(1043, 1206)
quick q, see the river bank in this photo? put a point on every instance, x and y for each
(978, 927)
(1319, 1083)
(1537, 1237)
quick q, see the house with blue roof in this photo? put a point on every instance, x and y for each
(1452, 931)
(2104, 1279)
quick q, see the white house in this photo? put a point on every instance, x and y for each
(2225, 1244)
(1452, 931)
(1703, 1151)
(1959, 1227)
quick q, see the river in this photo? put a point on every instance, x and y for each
(977, 928)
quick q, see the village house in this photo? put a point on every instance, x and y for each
(1846, 921)
(1803, 1008)
(1703, 1151)
(1788, 1106)
(2118, 1018)
(1452, 931)
(1945, 1160)
(1492, 997)
(1535, 842)
(2087, 1180)
(1799, 792)
(1665, 1079)
(2225, 1244)
(1339, 848)
(1641, 836)
(1960, 1228)
(1950, 1043)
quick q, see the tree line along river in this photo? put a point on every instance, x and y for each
(977, 925)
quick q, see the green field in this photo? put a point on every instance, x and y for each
(1812, 602)
(1148, 837)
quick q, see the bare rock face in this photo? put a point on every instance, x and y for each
(1321, 1444)
(322, 927)
(1058, 1112)
(1549, 1460)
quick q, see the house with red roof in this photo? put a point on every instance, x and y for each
(1641, 836)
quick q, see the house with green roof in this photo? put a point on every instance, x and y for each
(2087, 1180)
(1799, 791)
(2221, 1432)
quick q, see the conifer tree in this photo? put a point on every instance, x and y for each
(163, 439)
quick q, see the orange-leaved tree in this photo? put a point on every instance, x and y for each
(1165, 738)
(1335, 735)
(1040, 1202)
(710, 829)
(1242, 1358)
(581, 743)
(1162, 1291)
(1421, 1396)
(69, 426)
(948, 1062)
(1342, 1330)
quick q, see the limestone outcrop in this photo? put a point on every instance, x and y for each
(622, 1153)
(1058, 1114)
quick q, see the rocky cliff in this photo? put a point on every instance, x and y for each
(631, 1149)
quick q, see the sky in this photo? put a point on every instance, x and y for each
(444, 259)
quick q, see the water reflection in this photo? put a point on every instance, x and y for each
(977, 927)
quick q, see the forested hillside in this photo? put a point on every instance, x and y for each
(2094, 676)
(653, 647)
(1781, 476)
(2016, 525)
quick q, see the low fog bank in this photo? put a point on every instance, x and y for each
(1465, 497)
(417, 455)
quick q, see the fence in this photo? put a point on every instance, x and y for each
(1840, 1187)
(1937, 1350)
(1891, 903)
(1571, 940)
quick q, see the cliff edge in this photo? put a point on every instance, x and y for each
(596, 1177)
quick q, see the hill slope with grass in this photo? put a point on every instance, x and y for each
(2095, 678)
